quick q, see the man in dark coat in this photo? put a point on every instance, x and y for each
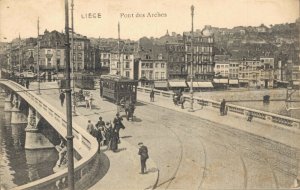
(222, 107)
(143, 152)
(152, 96)
(118, 125)
(62, 98)
(27, 84)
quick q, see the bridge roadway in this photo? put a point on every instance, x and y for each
(195, 153)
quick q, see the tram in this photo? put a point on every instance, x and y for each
(84, 81)
(115, 88)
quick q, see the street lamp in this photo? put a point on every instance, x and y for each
(38, 56)
(72, 55)
(192, 62)
(68, 90)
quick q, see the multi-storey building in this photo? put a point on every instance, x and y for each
(203, 55)
(176, 66)
(82, 53)
(152, 65)
(267, 72)
(221, 68)
(122, 60)
(104, 54)
(249, 73)
(257, 73)
(233, 69)
(51, 52)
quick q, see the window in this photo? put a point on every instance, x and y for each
(162, 75)
(79, 56)
(151, 75)
(156, 75)
(143, 74)
(127, 66)
(156, 65)
(57, 61)
(127, 74)
(162, 65)
(151, 65)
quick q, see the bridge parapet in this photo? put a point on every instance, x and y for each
(84, 144)
(271, 118)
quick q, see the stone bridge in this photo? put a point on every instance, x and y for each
(28, 107)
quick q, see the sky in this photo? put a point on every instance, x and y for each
(20, 16)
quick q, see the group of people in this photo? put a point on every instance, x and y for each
(24, 83)
(107, 133)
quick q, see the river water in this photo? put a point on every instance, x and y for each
(17, 165)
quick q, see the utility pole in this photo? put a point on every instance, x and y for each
(19, 55)
(72, 55)
(192, 62)
(119, 63)
(68, 90)
(38, 56)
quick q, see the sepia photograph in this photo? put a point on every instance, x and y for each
(149, 94)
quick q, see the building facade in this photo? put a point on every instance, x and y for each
(124, 64)
(203, 55)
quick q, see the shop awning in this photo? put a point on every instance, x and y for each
(243, 81)
(296, 82)
(205, 85)
(221, 81)
(233, 81)
(177, 84)
(195, 84)
(160, 84)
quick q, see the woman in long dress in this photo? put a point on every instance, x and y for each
(114, 141)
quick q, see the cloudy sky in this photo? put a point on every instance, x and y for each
(20, 16)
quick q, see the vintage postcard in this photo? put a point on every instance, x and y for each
(149, 94)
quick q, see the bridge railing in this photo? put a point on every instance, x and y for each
(84, 144)
(243, 111)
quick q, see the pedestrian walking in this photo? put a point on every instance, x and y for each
(114, 141)
(86, 99)
(182, 100)
(108, 134)
(152, 96)
(222, 107)
(118, 125)
(62, 98)
(90, 128)
(91, 100)
(143, 152)
(27, 84)
(100, 123)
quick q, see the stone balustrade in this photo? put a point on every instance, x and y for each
(243, 111)
(85, 146)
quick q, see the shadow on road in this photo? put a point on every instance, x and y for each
(102, 168)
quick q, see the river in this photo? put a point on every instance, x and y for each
(17, 165)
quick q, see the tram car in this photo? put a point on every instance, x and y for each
(84, 81)
(116, 88)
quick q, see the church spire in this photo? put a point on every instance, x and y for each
(167, 34)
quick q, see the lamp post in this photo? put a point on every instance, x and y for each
(68, 90)
(192, 62)
(72, 55)
(38, 56)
